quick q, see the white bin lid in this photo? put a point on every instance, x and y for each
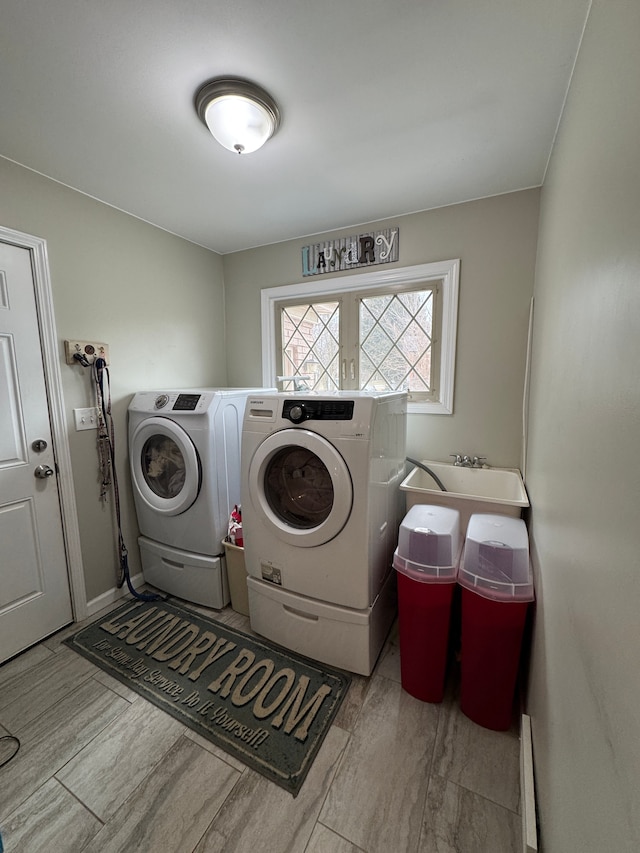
(429, 544)
(496, 561)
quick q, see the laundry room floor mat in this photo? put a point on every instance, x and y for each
(264, 705)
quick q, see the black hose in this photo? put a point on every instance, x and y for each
(16, 746)
(429, 472)
(100, 368)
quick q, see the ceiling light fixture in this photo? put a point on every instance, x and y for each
(239, 114)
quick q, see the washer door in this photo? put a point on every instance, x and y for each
(165, 466)
(300, 487)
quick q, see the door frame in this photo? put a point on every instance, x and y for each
(37, 247)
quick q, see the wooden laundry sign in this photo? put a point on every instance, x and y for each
(345, 253)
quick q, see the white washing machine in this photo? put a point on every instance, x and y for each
(321, 509)
(184, 451)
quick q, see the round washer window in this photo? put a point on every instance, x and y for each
(298, 487)
(163, 466)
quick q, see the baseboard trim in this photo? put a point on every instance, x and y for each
(527, 789)
(111, 595)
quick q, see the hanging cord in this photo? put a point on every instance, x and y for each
(16, 744)
(107, 454)
(104, 441)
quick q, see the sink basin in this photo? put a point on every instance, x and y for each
(469, 490)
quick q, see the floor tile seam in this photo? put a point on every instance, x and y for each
(96, 734)
(133, 792)
(245, 768)
(94, 676)
(339, 834)
(336, 770)
(56, 643)
(210, 825)
(56, 646)
(186, 732)
(359, 711)
(152, 769)
(81, 679)
(475, 793)
(375, 674)
(413, 849)
(32, 791)
(4, 818)
(81, 802)
(429, 774)
(21, 676)
(88, 676)
(6, 681)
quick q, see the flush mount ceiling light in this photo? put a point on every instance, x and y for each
(239, 114)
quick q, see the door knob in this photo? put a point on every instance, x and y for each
(43, 471)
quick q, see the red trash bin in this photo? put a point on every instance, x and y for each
(497, 588)
(426, 562)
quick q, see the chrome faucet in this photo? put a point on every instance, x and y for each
(467, 461)
(461, 461)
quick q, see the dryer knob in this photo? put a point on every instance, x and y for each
(296, 414)
(161, 401)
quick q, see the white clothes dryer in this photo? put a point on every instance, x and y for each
(184, 451)
(321, 509)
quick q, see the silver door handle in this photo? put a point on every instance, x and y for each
(43, 471)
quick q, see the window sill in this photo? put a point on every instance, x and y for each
(428, 408)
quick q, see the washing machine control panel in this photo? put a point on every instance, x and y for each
(186, 402)
(181, 403)
(298, 411)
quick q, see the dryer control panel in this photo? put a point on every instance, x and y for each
(298, 411)
(181, 402)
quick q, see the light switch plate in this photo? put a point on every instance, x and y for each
(86, 418)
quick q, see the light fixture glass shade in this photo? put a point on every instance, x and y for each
(240, 115)
(238, 123)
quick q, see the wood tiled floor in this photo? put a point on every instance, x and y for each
(101, 770)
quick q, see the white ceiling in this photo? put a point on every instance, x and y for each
(387, 107)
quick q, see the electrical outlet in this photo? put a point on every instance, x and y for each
(89, 349)
(86, 418)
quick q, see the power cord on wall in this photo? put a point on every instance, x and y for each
(107, 457)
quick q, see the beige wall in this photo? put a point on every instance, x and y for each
(496, 241)
(155, 299)
(583, 468)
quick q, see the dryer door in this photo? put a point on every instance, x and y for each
(165, 466)
(300, 487)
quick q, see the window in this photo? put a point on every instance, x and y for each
(379, 331)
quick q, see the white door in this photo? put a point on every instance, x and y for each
(35, 597)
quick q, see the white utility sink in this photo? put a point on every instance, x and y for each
(469, 490)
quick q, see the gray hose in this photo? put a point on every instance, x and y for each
(429, 472)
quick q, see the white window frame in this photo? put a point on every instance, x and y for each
(447, 272)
